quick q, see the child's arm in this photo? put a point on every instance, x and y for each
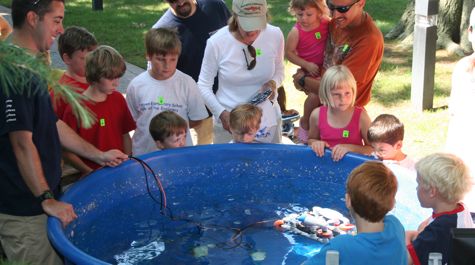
(314, 141)
(127, 143)
(292, 55)
(76, 162)
(5, 28)
(193, 124)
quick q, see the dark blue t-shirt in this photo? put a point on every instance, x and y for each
(30, 110)
(194, 31)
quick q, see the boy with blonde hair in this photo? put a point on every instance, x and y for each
(443, 179)
(104, 67)
(162, 88)
(244, 122)
(168, 130)
(370, 195)
(73, 46)
(386, 134)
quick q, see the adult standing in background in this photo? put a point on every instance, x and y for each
(196, 21)
(461, 111)
(356, 42)
(248, 58)
(31, 137)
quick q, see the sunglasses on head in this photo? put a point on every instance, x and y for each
(252, 52)
(340, 9)
(35, 2)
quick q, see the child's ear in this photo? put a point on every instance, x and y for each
(66, 59)
(347, 201)
(398, 145)
(159, 144)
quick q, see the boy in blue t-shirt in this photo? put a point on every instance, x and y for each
(370, 195)
(442, 181)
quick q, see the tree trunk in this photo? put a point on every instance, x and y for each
(452, 24)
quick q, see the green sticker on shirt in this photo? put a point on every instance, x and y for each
(102, 122)
(346, 134)
(258, 52)
(161, 100)
(318, 35)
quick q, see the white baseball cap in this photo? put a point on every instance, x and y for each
(252, 14)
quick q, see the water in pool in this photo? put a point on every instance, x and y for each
(231, 230)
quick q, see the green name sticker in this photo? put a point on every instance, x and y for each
(318, 35)
(346, 133)
(102, 122)
(161, 100)
(258, 52)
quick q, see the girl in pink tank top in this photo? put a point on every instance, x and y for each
(338, 124)
(305, 47)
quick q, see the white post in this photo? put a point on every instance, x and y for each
(423, 54)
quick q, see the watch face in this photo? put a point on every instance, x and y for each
(46, 195)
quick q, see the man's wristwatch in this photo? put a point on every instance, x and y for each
(47, 194)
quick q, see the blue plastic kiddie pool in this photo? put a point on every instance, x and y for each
(221, 201)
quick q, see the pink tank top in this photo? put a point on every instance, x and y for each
(311, 45)
(350, 134)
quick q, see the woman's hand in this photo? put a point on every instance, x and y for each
(224, 117)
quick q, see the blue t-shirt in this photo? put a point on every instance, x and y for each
(387, 247)
(194, 31)
(436, 236)
(29, 111)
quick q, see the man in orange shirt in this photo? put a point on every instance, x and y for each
(355, 42)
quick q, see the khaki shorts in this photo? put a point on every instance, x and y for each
(24, 239)
(204, 132)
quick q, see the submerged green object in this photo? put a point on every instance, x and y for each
(17, 66)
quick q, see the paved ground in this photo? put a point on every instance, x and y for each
(132, 70)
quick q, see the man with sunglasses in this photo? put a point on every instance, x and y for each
(196, 21)
(31, 138)
(355, 42)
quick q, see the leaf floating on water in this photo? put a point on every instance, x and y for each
(258, 256)
(201, 251)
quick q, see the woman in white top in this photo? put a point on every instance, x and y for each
(248, 57)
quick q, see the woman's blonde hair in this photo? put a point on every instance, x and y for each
(334, 77)
(445, 172)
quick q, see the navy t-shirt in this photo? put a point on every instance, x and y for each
(30, 110)
(436, 236)
(194, 31)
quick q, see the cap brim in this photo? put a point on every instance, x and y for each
(252, 23)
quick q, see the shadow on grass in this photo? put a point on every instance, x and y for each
(394, 97)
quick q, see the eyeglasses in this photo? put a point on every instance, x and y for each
(35, 3)
(341, 9)
(252, 52)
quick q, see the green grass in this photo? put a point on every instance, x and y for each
(123, 23)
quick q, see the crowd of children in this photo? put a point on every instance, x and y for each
(163, 103)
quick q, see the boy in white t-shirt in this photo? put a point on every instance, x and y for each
(162, 88)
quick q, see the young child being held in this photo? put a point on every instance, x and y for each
(244, 122)
(370, 191)
(305, 47)
(168, 130)
(338, 124)
(162, 88)
(104, 67)
(443, 179)
(385, 134)
(73, 46)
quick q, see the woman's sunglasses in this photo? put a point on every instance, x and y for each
(340, 9)
(252, 52)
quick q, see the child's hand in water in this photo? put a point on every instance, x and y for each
(319, 147)
(339, 151)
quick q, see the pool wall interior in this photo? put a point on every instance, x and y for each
(203, 176)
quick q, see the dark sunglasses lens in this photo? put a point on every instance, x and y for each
(252, 51)
(340, 9)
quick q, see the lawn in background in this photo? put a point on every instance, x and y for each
(123, 24)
